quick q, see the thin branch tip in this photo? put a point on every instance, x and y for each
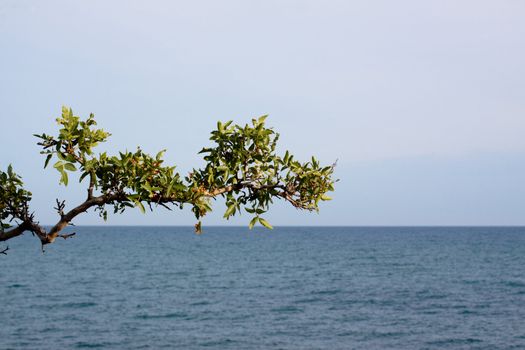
(68, 235)
(60, 207)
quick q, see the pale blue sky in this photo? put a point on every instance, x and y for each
(422, 102)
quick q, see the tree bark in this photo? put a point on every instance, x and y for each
(17, 231)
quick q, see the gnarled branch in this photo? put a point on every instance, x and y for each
(15, 232)
(242, 167)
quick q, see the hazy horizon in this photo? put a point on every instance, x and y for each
(313, 226)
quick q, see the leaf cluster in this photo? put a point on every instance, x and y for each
(74, 143)
(244, 158)
(241, 165)
(14, 199)
(131, 179)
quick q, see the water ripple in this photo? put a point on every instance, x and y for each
(290, 288)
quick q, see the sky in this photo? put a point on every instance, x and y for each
(421, 102)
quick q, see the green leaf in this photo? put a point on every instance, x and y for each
(265, 223)
(139, 205)
(324, 197)
(230, 210)
(160, 154)
(205, 150)
(61, 156)
(83, 176)
(262, 118)
(70, 167)
(63, 178)
(315, 164)
(252, 222)
(170, 187)
(48, 158)
(147, 187)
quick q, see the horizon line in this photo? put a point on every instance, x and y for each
(357, 226)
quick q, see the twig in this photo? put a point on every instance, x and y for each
(164, 205)
(60, 207)
(91, 186)
(67, 235)
(4, 251)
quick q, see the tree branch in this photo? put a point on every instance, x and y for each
(91, 186)
(27, 225)
(242, 167)
(17, 231)
(60, 207)
(68, 235)
(66, 218)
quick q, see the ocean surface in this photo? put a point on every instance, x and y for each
(290, 288)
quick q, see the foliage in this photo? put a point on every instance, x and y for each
(245, 158)
(241, 165)
(14, 199)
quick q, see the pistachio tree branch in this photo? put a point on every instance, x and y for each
(15, 232)
(241, 166)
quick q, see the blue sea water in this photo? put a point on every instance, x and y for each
(290, 288)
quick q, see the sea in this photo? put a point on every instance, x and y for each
(289, 288)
